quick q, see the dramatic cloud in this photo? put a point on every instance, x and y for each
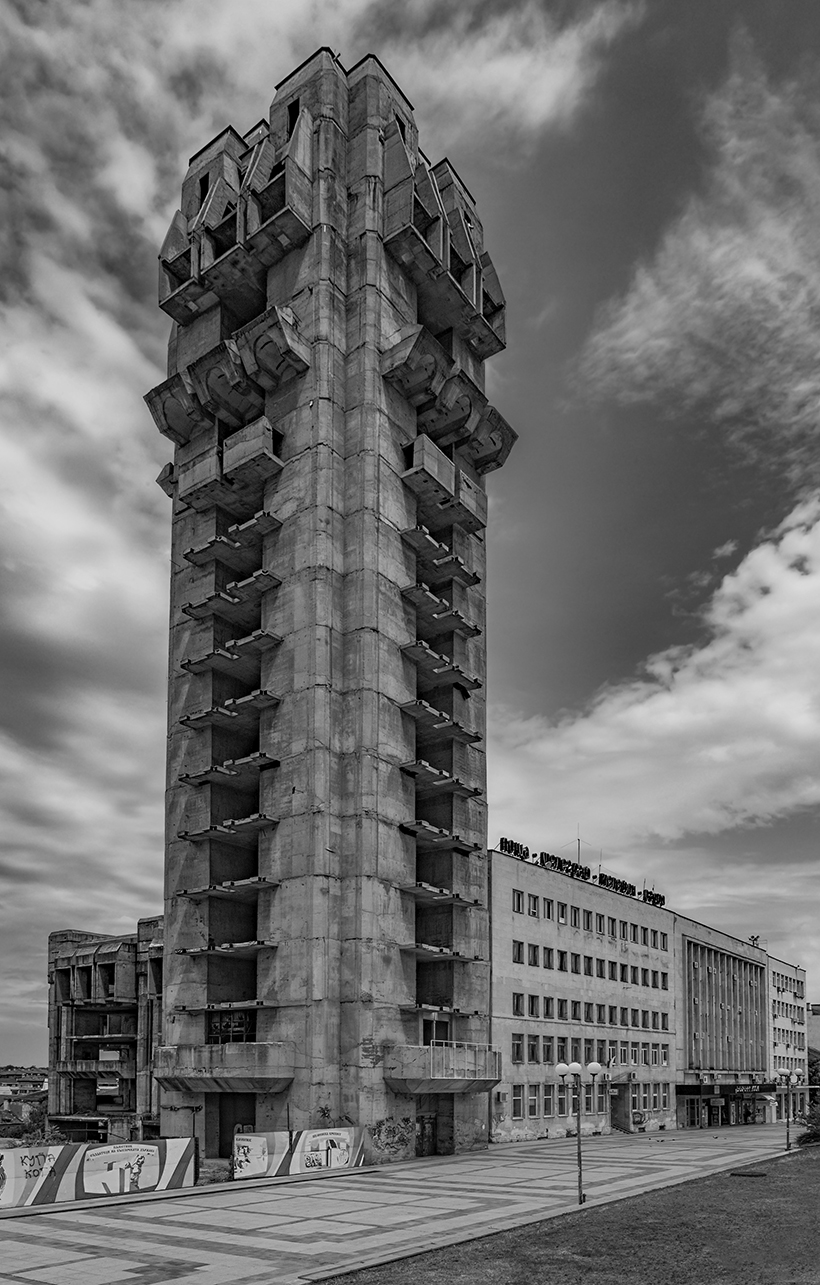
(710, 738)
(725, 319)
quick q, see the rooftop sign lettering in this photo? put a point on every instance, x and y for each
(511, 848)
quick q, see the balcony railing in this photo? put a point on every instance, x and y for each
(265, 1067)
(442, 1067)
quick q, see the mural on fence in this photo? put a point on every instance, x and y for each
(271, 1155)
(42, 1175)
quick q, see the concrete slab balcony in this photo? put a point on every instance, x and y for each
(441, 1067)
(226, 1068)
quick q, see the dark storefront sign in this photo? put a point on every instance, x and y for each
(722, 1091)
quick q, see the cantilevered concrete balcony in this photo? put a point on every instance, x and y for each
(239, 658)
(433, 726)
(434, 837)
(434, 615)
(238, 603)
(238, 832)
(88, 1069)
(435, 670)
(441, 1067)
(237, 714)
(437, 564)
(418, 366)
(236, 774)
(239, 548)
(226, 1068)
(231, 889)
(433, 781)
(234, 949)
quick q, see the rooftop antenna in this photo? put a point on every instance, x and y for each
(577, 841)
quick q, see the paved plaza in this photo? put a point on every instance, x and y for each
(283, 1232)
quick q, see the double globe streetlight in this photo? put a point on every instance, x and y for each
(788, 1079)
(575, 1069)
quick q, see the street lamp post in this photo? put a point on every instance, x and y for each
(575, 1070)
(787, 1079)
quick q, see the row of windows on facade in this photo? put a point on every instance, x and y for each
(555, 1099)
(574, 1010)
(577, 917)
(792, 1039)
(789, 1064)
(793, 984)
(793, 1011)
(588, 965)
(558, 1048)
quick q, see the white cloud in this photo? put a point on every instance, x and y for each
(710, 738)
(723, 319)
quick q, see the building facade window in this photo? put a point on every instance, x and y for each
(532, 906)
(518, 1102)
(548, 957)
(517, 901)
(533, 1101)
(518, 1003)
(549, 1006)
(518, 952)
(533, 955)
(575, 917)
(546, 1049)
(547, 907)
(562, 912)
(562, 961)
(576, 1010)
(517, 1047)
(534, 1005)
(549, 1099)
(533, 1048)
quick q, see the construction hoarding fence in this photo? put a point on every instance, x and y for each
(273, 1155)
(43, 1175)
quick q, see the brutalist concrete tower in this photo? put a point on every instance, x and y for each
(326, 936)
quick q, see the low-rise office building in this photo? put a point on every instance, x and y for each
(588, 968)
(105, 1020)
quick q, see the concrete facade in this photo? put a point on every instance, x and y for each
(104, 1018)
(589, 968)
(327, 941)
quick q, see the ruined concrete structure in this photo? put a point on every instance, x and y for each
(326, 924)
(104, 1021)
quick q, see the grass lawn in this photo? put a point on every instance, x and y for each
(722, 1230)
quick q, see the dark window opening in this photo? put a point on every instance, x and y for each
(293, 115)
(204, 188)
(231, 1028)
(402, 126)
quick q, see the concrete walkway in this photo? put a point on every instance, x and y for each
(282, 1232)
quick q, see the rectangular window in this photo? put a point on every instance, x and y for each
(644, 936)
(664, 942)
(655, 1017)
(600, 1014)
(574, 917)
(518, 952)
(623, 1054)
(644, 1055)
(547, 907)
(562, 1010)
(518, 1102)
(656, 1055)
(633, 932)
(562, 912)
(624, 1017)
(548, 957)
(612, 926)
(575, 963)
(624, 930)
(644, 977)
(633, 975)
(533, 1101)
(562, 961)
(600, 1051)
(612, 1052)
(624, 972)
(533, 1048)
(517, 1053)
(589, 1105)
(532, 906)
(546, 1049)
(664, 1055)
(634, 1050)
(549, 1006)
(576, 1010)
(534, 1005)
(587, 921)
(665, 1097)
(562, 1099)
(533, 955)
(549, 1099)
(561, 1048)
(664, 1021)
(600, 968)
(600, 924)
(575, 1050)
(635, 1096)
(602, 1097)
(653, 936)
(518, 901)
(654, 979)
(588, 1046)
(634, 1017)
(518, 1003)
(613, 1015)
(588, 965)
(588, 1013)
(664, 981)
(645, 1018)
(612, 970)
(644, 1097)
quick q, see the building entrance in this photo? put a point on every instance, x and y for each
(234, 1109)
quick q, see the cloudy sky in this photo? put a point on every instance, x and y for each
(648, 175)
